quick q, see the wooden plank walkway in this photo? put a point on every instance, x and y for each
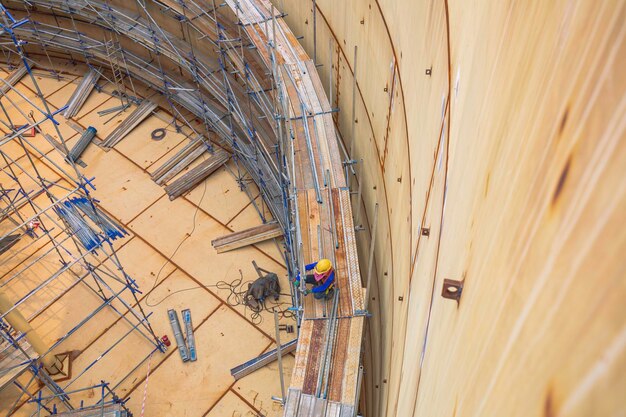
(309, 111)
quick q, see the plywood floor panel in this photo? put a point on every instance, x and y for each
(122, 188)
(222, 199)
(224, 340)
(139, 146)
(259, 387)
(214, 267)
(231, 404)
(47, 82)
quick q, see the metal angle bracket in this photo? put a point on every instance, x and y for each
(191, 341)
(178, 335)
(452, 289)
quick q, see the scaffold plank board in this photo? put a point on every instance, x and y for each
(13, 78)
(307, 402)
(246, 237)
(81, 93)
(196, 175)
(300, 365)
(352, 363)
(138, 115)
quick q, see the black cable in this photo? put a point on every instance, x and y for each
(238, 296)
(237, 288)
(193, 229)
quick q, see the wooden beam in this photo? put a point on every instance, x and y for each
(197, 174)
(81, 93)
(247, 237)
(13, 78)
(138, 115)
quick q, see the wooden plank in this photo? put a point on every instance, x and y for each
(353, 360)
(13, 78)
(318, 88)
(300, 365)
(247, 237)
(78, 128)
(314, 354)
(342, 273)
(333, 151)
(303, 212)
(138, 115)
(353, 272)
(335, 385)
(196, 175)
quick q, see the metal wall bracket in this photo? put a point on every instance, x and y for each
(452, 289)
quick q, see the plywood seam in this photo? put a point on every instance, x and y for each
(230, 389)
(191, 277)
(184, 197)
(172, 351)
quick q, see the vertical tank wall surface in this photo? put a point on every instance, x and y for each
(499, 128)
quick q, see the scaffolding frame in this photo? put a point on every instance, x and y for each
(220, 85)
(76, 249)
(217, 96)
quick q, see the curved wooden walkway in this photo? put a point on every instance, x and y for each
(325, 378)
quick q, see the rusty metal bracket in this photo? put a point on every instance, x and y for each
(452, 289)
(65, 359)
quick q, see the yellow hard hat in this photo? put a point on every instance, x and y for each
(323, 266)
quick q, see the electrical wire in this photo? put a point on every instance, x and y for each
(238, 296)
(237, 288)
(169, 260)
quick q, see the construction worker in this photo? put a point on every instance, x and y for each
(322, 279)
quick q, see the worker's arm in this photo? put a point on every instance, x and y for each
(308, 267)
(326, 284)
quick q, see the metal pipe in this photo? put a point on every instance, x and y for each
(370, 263)
(353, 139)
(309, 147)
(20, 324)
(280, 358)
(331, 207)
(357, 218)
(359, 381)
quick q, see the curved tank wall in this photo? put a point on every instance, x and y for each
(492, 135)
